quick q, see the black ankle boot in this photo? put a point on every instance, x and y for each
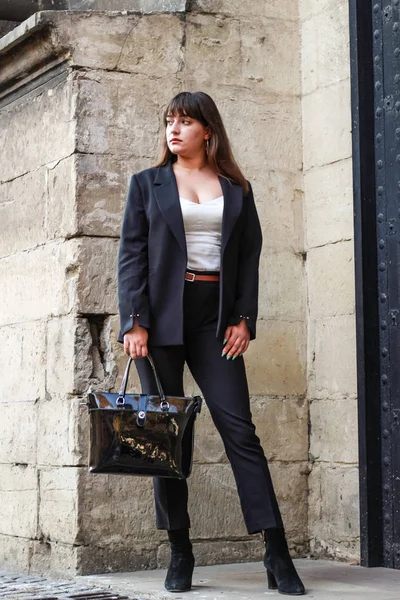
(281, 572)
(180, 571)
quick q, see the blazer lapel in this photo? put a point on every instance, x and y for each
(167, 195)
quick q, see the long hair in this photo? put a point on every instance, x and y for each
(200, 106)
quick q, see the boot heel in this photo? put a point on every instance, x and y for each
(272, 585)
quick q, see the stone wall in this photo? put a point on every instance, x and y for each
(328, 207)
(81, 112)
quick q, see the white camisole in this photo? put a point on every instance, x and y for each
(203, 224)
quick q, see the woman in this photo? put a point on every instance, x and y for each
(188, 292)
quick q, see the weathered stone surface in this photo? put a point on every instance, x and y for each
(216, 552)
(334, 439)
(327, 125)
(69, 358)
(53, 559)
(58, 510)
(18, 432)
(120, 113)
(308, 8)
(328, 203)
(132, 556)
(282, 293)
(332, 365)
(210, 486)
(279, 198)
(97, 276)
(291, 487)
(334, 511)
(63, 433)
(330, 272)
(47, 117)
(129, 43)
(287, 9)
(282, 426)
(244, 51)
(18, 500)
(325, 47)
(39, 283)
(22, 359)
(112, 507)
(275, 361)
(15, 553)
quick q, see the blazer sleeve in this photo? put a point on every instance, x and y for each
(133, 298)
(246, 303)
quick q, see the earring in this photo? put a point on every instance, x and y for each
(207, 146)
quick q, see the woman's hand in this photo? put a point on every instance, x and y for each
(237, 340)
(135, 341)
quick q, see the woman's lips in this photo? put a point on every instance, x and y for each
(174, 141)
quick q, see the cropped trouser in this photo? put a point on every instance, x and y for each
(224, 387)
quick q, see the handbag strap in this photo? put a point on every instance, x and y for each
(124, 383)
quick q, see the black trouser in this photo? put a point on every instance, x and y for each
(224, 387)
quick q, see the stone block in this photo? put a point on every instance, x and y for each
(286, 10)
(276, 360)
(18, 500)
(308, 8)
(291, 488)
(18, 432)
(123, 42)
(334, 431)
(217, 552)
(61, 202)
(97, 276)
(115, 511)
(282, 426)
(47, 117)
(22, 214)
(120, 113)
(22, 359)
(58, 510)
(39, 283)
(73, 355)
(208, 447)
(328, 204)
(273, 126)
(131, 556)
(51, 559)
(327, 125)
(63, 432)
(334, 511)
(282, 286)
(332, 363)
(212, 486)
(270, 55)
(15, 553)
(325, 47)
(279, 199)
(330, 271)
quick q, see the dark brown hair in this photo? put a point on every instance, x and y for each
(200, 106)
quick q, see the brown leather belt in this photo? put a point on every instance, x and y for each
(194, 277)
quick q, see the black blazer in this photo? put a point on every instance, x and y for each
(152, 258)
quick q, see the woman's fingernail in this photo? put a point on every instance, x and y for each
(224, 341)
(228, 358)
(234, 357)
(223, 354)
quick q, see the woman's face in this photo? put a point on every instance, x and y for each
(185, 136)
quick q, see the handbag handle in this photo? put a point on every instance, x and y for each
(122, 391)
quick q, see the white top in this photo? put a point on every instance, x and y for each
(203, 224)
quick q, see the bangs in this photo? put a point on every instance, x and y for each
(185, 105)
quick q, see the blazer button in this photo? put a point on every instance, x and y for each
(131, 315)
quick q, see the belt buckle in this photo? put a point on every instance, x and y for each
(190, 274)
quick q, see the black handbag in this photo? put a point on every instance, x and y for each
(141, 434)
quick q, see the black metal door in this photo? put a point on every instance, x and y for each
(375, 54)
